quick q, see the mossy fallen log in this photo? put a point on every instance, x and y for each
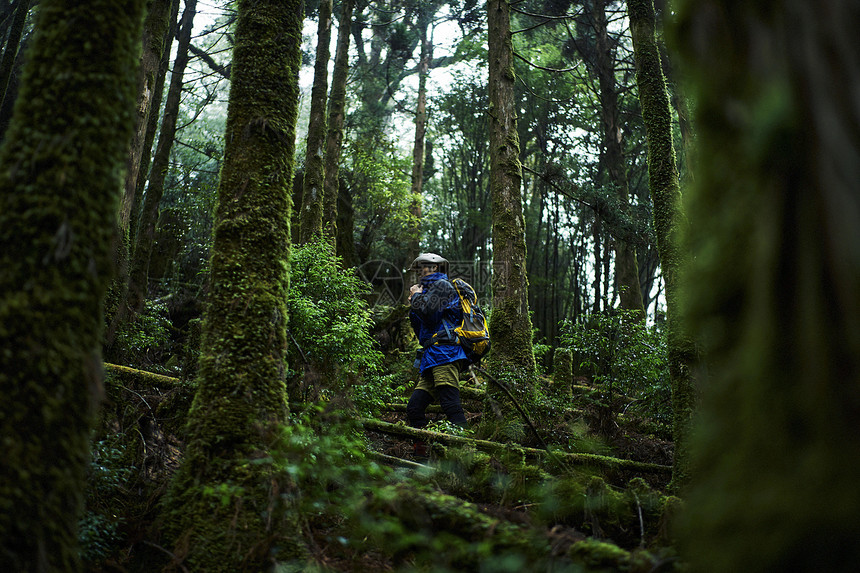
(603, 462)
(135, 378)
(471, 393)
(415, 522)
(395, 461)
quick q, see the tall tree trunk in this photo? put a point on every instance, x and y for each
(346, 228)
(145, 237)
(626, 265)
(775, 290)
(158, 28)
(597, 237)
(152, 124)
(241, 397)
(336, 116)
(60, 173)
(666, 196)
(510, 324)
(314, 177)
(11, 50)
(155, 39)
(420, 130)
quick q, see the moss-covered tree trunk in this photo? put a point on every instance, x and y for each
(420, 131)
(155, 29)
(145, 236)
(612, 157)
(336, 116)
(775, 290)
(668, 219)
(510, 324)
(60, 175)
(223, 513)
(152, 125)
(313, 198)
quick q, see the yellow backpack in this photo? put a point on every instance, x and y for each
(473, 333)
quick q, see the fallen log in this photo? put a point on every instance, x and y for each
(394, 461)
(604, 462)
(139, 378)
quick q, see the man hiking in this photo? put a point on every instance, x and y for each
(435, 312)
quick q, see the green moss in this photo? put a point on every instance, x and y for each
(241, 397)
(562, 375)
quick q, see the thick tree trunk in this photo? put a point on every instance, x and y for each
(775, 290)
(311, 224)
(510, 324)
(336, 116)
(666, 196)
(60, 173)
(241, 397)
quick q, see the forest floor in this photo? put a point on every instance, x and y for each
(604, 519)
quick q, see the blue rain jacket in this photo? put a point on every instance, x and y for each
(437, 311)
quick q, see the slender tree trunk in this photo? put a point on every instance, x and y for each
(158, 26)
(152, 123)
(775, 285)
(626, 266)
(241, 398)
(60, 173)
(681, 107)
(666, 196)
(155, 29)
(597, 233)
(145, 237)
(314, 177)
(510, 324)
(7, 64)
(420, 131)
(336, 116)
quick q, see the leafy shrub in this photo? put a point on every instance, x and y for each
(107, 475)
(145, 341)
(329, 321)
(624, 357)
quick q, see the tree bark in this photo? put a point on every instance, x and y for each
(510, 324)
(420, 130)
(336, 116)
(60, 173)
(666, 196)
(311, 218)
(152, 124)
(775, 289)
(145, 237)
(155, 40)
(241, 397)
